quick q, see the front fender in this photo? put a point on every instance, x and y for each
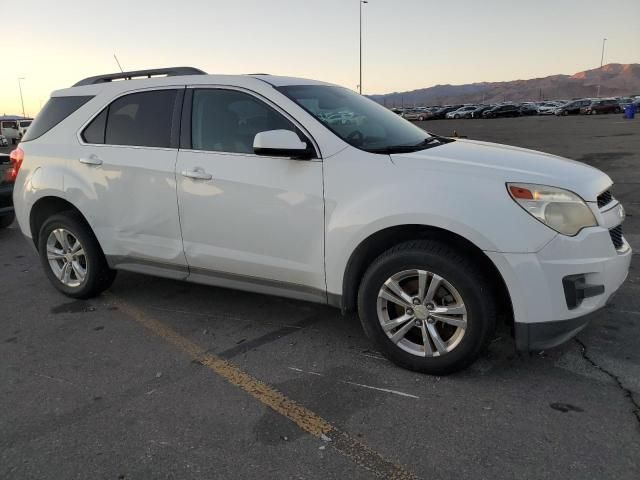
(367, 193)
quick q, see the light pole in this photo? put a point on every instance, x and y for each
(601, 62)
(362, 2)
(21, 100)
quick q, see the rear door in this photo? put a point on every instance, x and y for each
(248, 221)
(126, 180)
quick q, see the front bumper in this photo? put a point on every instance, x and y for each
(544, 335)
(545, 314)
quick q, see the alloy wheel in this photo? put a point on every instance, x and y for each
(422, 313)
(67, 257)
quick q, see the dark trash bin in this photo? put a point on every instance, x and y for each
(630, 111)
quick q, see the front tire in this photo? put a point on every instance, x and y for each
(427, 307)
(72, 258)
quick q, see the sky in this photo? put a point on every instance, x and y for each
(407, 44)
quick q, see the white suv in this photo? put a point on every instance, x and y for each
(244, 182)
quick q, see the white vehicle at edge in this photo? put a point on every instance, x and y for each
(9, 129)
(240, 181)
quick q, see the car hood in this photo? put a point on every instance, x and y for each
(508, 164)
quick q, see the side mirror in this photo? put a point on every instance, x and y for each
(281, 143)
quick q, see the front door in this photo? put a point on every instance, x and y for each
(248, 221)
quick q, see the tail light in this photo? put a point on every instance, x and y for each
(15, 157)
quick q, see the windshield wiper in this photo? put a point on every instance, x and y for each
(395, 149)
(432, 141)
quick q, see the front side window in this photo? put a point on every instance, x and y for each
(139, 119)
(359, 121)
(228, 120)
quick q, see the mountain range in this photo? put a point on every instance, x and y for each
(617, 80)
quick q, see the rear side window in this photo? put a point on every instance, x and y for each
(54, 112)
(140, 119)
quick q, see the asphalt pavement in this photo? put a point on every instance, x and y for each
(163, 379)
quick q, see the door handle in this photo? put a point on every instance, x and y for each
(197, 174)
(91, 160)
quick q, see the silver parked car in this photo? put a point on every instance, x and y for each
(415, 115)
(462, 112)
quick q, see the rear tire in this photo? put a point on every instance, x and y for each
(460, 286)
(7, 220)
(72, 258)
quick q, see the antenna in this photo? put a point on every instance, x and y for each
(119, 66)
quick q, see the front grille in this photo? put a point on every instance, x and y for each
(616, 237)
(605, 198)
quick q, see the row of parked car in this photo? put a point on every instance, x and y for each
(12, 129)
(583, 106)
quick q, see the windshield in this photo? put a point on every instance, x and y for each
(25, 124)
(359, 121)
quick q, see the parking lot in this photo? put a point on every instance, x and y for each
(163, 379)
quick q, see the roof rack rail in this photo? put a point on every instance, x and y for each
(168, 72)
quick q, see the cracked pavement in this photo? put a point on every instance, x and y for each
(89, 392)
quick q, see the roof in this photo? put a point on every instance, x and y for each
(97, 84)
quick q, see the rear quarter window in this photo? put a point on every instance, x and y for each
(54, 112)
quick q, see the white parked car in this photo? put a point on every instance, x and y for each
(3, 141)
(242, 182)
(548, 108)
(9, 130)
(23, 126)
(462, 112)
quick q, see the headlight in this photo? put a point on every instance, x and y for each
(559, 209)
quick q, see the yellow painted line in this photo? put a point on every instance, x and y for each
(304, 418)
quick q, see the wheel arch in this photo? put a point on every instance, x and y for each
(377, 243)
(44, 208)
